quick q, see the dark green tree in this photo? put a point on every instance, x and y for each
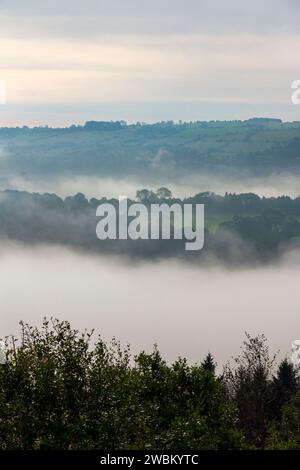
(249, 388)
(209, 363)
(284, 387)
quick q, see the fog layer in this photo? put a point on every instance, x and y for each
(186, 310)
(95, 186)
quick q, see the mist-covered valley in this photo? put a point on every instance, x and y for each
(186, 310)
(97, 186)
(146, 292)
(149, 231)
(113, 158)
(143, 292)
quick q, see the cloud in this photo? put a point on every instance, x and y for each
(170, 16)
(91, 53)
(214, 69)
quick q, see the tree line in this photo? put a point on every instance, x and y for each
(62, 389)
(239, 228)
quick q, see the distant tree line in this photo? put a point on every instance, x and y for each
(117, 125)
(240, 228)
(179, 150)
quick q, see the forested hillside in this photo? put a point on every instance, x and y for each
(250, 148)
(239, 228)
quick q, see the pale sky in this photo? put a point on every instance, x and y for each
(67, 61)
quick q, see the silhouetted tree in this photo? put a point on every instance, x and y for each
(249, 387)
(209, 363)
(284, 387)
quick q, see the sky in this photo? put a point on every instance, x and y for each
(68, 61)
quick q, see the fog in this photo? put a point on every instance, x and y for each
(185, 309)
(95, 186)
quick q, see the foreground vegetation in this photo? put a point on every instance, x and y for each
(59, 389)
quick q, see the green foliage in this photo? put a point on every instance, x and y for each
(209, 363)
(249, 387)
(58, 391)
(285, 435)
(239, 228)
(254, 147)
(284, 386)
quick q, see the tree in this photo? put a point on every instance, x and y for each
(163, 193)
(284, 387)
(209, 363)
(145, 196)
(286, 434)
(249, 388)
(60, 391)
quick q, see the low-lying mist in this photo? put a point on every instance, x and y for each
(97, 186)
(187, 310)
